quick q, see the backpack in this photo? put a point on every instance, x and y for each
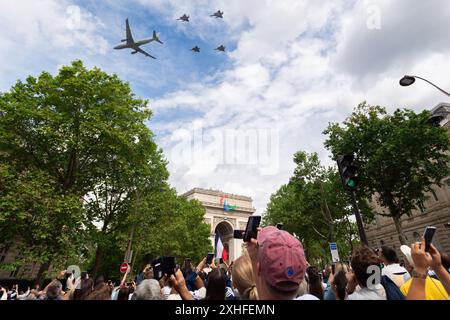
(392, 291)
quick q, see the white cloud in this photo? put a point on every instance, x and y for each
(296, 65)
(289, 73)
(53, 29)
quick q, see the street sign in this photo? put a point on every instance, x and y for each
(334, 252)
(124, 267)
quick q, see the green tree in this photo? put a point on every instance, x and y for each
(172, 225)
(39, 224)
(314, 207)
(400, 156)
(86, 131)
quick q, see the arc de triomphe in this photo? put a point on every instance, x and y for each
(224, 213)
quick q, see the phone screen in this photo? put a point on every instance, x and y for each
(209, 258)
(333, 268)
(157, 269)
(252, 228)
(428, 236)
(169, 266)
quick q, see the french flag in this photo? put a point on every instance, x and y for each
(220, 249)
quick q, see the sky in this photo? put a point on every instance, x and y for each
(232, 121)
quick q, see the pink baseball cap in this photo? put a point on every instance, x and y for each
(281, 258)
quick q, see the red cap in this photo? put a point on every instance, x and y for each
(281, 258)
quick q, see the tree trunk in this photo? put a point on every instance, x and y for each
(398, 226)
(98, 261)
(40, 276)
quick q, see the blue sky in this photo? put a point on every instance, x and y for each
(291, 67)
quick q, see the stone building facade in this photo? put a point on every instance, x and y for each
(436, 212)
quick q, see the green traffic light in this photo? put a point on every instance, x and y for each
(351, 183)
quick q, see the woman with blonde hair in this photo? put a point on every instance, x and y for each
(243, 280)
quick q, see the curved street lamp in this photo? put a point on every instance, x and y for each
(409, 80)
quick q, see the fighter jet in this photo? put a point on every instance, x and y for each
(135, 45)
(221, 48)
(195, 49)
(184, 18)
(156, 38)
(218, 14)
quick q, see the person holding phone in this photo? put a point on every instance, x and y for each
(279, 264)
(422, 286)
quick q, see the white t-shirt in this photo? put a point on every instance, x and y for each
(307, 297)
(166, 292)
(375, 293)
(199, 294)
(174, 296)
(396, 273)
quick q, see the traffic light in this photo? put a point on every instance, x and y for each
(348, 171)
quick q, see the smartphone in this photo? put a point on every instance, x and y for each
(221, 261)
(157, 269)
(238, 234)
(251, 231)
(333, 268)
(209, 258)
(169, 266)
(280, 226)
(428, 236)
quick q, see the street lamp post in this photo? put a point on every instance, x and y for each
(409, 80)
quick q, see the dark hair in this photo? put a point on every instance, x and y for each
(445, 261)
(101, 292)
(363, 257)
(389, 254)
(85, 289)
(54, 290)
(215, 289)
(315, 284)
(123, 294)
(99, 281)
(187, 268)
(340, 284)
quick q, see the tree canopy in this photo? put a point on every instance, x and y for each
(79, 166)
(313, 206)
(400, 156)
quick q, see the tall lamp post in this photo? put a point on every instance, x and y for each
(409, 80)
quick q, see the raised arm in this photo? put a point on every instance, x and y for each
(180, 285)
(422, 261)
(124, 279)
(439, 269)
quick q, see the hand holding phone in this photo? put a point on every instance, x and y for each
(209, 258)
(251, 231)
(428, 236)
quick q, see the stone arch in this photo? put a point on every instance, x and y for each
(226, 231)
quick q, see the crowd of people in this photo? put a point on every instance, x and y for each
(273, 267)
